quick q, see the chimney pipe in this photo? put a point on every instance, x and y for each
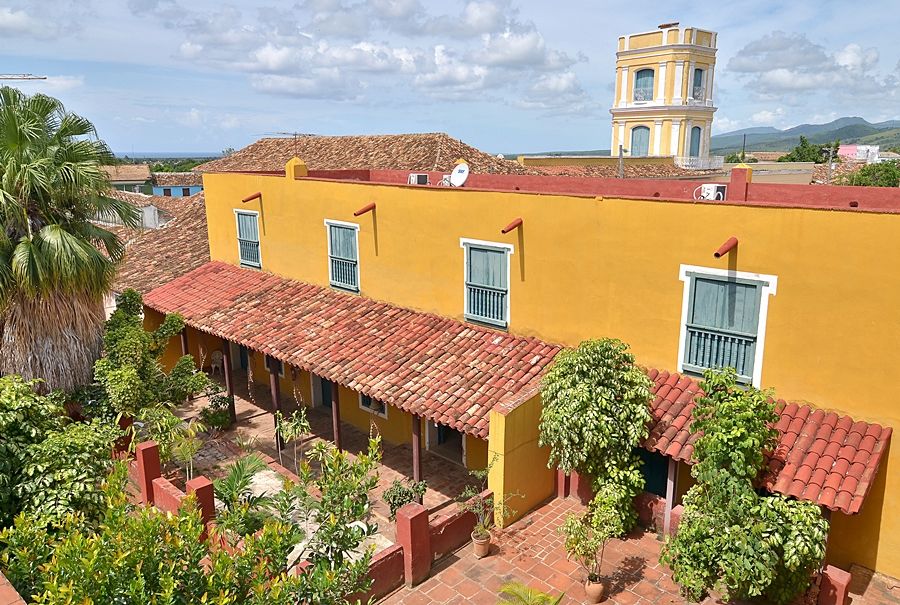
(513, 225)
(729, 245)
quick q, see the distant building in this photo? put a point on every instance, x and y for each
(663, 103)
(177, 184)
(861, 153)
(129, 177)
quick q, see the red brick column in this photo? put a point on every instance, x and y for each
(834, 587)
(562, 484)
(148, 468)
(202, 488)
(739, 186)
(414, 535)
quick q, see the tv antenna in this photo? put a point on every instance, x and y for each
(21, 77)
(296, 136)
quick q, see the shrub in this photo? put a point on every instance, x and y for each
(882, 174)
(401, 493)
(216, 414)
(596, 412)
(730, 538)
(586, 536)
(486, 511)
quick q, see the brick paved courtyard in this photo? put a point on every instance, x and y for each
(531, 551)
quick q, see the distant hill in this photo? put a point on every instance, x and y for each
(847, 130)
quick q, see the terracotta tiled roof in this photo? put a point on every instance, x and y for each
(821, 456)
(429, 151)
(128, 172)
(177, 179)
(154, 257)
(840, 171)
(445, 370)
(632, 171)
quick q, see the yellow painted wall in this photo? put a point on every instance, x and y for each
(396, 428)
(589, 267)
(520, 465)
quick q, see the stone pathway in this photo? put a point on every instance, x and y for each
(531, 551)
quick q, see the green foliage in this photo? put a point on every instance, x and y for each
(292, 430)
(403, 492)
(49, 466)
(882, 174)
(516, 593)
(730, 538)
(586, 536)
(131, 373)
(739, 158)
(244, 511)
(176, 165)
(486, 511)
(216, 414)
(137, 556)
(808, 152)
(596, 412)
(187, 445)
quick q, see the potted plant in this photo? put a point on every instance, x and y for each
(486, 510)
(586, 537)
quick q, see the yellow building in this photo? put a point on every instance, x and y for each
(663, 103)
(346, 284)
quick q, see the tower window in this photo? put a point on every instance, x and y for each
(643, 85)
(697, 92)
(640, 141)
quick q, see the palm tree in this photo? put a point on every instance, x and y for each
(53, 274)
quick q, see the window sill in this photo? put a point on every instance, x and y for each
(344, 288)
(374, 413)
(250, 265)
(487, 323)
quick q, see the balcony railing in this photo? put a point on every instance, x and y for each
(643, 94)
(712, 162)
(343, 273)
(249, 252)
(707, 348)
(486, 304)
(698, 93)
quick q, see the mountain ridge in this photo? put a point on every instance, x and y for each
(848, 129)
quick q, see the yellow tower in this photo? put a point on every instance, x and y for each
(664, 85)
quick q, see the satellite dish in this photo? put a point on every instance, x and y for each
(500, 156)
(459, 175)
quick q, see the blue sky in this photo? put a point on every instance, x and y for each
(503, 75)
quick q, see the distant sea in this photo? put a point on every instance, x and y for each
(169, 154)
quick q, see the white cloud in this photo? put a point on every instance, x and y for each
(52, 84)
(321, 83)
(190, 50)
(20, 23)
(767, 117)
(452, 74)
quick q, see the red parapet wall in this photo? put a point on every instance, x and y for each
(386, 573)
(449, 532)
(166, 497)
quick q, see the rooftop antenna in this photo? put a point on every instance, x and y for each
(21, 77)
(295, 135)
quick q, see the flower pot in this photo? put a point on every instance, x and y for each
(594, 590)
(482, 545)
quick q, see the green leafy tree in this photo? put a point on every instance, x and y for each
(808, 152)
(587, 535)
(740, 158)
(130, 371)
(516, 593)
(49, 465)
(401, 493)
(882, 174)
(487, 511)
(292, 431)
(55, 264)
(730, 538)
(595, 415)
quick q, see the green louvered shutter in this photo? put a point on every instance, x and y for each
(487, 285)
(343, 257)
(723, 319)
(248, 239)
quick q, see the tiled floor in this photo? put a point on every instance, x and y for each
(531, 551)
(445, 480)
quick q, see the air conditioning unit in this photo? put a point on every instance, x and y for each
(417, 179)
(712, 191)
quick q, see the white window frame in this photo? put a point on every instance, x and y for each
(768, 287)
(355, 226)
(370, 410)
(509, 249)
(237, 238)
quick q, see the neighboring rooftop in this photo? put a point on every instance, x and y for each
(128, 173)
(821, 456)
(177, 179)
(154, 257)
(414, 152)
(632, 171)
(450, 372)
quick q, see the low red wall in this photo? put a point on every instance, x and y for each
(166, 497)
(8, 594)
(386, 572)
(449, 532)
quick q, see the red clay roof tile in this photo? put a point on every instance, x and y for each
(821, 456)
(434, 366)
